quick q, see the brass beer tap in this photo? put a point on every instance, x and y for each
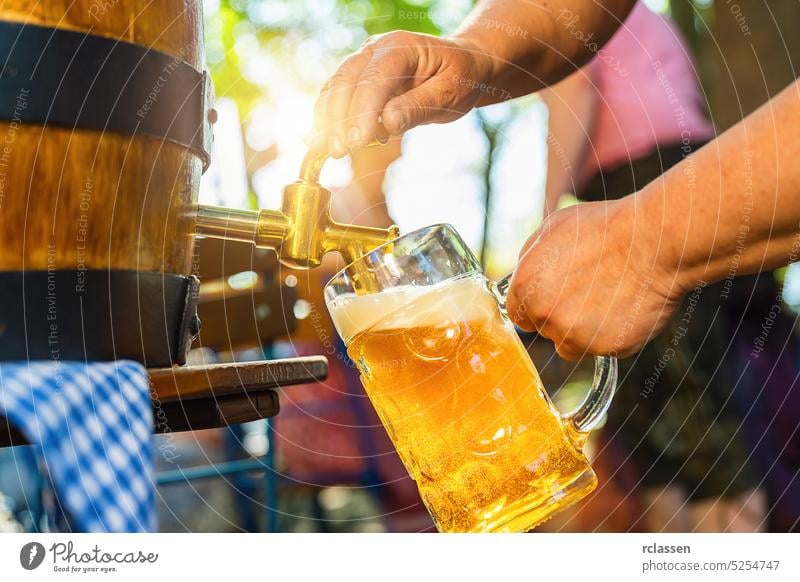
(303, 230)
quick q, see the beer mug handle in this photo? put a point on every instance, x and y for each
(586, 416)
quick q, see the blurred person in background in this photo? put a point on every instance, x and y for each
(617, 124)
(676, 233)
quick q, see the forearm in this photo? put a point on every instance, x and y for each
(733, 207)
(535, 43)
(570, 106)
(565, 156)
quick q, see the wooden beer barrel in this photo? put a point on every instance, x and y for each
(81, 205)
(76, 198)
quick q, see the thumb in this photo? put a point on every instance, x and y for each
(434, 101)
(517, 304)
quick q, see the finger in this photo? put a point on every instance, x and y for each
(517, 304)
(434, 101)
(338, 98)
(570, 351)
(388, 74)
(558, 326)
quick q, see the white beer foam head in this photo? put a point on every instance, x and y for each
(465, 299)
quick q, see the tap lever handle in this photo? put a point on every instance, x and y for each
(316, 158)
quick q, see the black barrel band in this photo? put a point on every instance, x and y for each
(97, 315)
(52, 76)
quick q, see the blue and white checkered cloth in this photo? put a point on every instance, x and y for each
(94, 425)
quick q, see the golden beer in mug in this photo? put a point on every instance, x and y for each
(455, 388)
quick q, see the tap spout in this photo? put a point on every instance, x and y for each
(354, 241)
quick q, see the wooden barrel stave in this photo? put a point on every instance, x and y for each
(72, 199)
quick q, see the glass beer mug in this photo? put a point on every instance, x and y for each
(455, 388)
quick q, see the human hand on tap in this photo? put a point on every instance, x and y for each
(399, 80)
(394, 82)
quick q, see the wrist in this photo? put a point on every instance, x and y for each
(480, 53)
(657, 244)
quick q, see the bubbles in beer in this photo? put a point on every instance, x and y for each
(490, 439)
(438, 344)
(533, 450)
(465, 407)
(481, 478)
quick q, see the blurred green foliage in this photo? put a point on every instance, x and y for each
(308, 37)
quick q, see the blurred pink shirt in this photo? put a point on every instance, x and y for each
(648, 94)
